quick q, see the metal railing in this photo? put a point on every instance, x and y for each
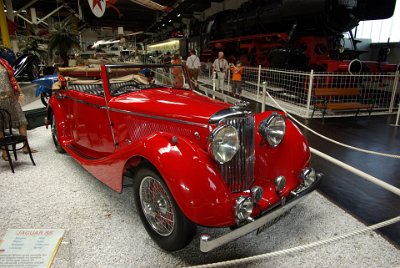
(295, 90)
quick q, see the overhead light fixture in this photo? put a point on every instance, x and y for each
(169, 44)
(152, 5)
(169, 20)
(135, 33)
(163, 24)
(178, 15)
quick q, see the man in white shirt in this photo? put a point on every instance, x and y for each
(220, 66)
(193, 64)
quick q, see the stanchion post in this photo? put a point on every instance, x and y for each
(213, 83)
(4, 26)
(258, 81)
(229, 79)
(264, 96)
(393, 98)
(310, 86)
(398, 116)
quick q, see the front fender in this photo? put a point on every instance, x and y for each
(42, 89)
(192, 178)
(45, 84)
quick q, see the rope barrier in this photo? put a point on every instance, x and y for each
(329, 139)
(358, 172)
(302, 247)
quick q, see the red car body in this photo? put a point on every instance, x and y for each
(170, 128)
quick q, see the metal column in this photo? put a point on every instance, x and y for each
(4, 26)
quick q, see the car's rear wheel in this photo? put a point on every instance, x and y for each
(160, 215)
(54, 134)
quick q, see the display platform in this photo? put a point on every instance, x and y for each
(105, 230)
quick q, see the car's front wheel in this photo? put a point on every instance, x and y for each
(54, 134)
(160, 215)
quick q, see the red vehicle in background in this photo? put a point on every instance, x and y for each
(293, 34)
(193, 160)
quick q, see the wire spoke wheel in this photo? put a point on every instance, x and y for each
(54, 129)
(54, 134)
(162, 218)
(157, 206)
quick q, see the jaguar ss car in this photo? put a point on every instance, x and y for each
(194, 160)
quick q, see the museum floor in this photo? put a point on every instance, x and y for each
(104, 230)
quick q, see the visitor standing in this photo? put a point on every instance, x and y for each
(193, 64)
(237, 71)
(220, 66)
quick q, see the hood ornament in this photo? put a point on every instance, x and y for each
(238, 110)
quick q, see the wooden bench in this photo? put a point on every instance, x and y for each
(326, 94)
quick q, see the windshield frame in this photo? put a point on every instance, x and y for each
(109, 68)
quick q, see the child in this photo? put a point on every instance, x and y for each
(237, 78)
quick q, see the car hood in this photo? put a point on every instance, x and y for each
(172, 103)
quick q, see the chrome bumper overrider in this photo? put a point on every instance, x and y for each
(207, 244)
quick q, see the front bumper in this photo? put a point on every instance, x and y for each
(207, 244)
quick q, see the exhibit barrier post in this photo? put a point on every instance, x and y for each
(398, 116)
(264, 96)
(258, 81)
(213, 82)
(229, 79)
(310, 86)
(394, 90)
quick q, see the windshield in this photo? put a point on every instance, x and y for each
(129, 78)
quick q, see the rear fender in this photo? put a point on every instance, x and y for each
(59, 112)
(192, 178)
(42, 89)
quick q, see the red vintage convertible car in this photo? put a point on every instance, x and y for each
(194, 160)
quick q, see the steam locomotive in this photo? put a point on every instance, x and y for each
(292, 34)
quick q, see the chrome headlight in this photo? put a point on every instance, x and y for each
(273, 129)
(224, 143)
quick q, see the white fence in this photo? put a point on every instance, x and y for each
(295, 91)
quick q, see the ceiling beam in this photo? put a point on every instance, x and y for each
(50, 14)
(26, 6)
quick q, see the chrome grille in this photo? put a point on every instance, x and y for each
(239, 172)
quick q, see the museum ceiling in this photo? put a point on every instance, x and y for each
(133, 15)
